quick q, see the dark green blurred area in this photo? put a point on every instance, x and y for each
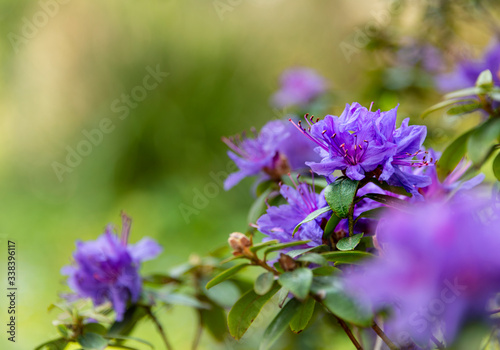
(222, 72)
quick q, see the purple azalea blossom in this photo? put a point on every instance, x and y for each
(107, 269)
(299, 87)
(276, 150)
(363, 143)
(279, 222)
(467, 71)
(439, 267)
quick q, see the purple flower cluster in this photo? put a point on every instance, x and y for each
(467, 71)
(299, 87)
(439, 267)
(275, 151)
(362, 143)
(107, 269)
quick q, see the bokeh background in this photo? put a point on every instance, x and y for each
(223, 59)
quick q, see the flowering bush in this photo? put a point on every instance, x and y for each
(354, 219)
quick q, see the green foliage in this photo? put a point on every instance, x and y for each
(311, 217)
(92, 341)
(279, 324)
(303, 315)
(340, 194)
(226, 274)
(348, 257)
(264, 283)
(349, 243)
(298, 282)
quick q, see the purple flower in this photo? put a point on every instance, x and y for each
(362, 143)
(107, 269)
(299, 87)
(467, 71)
(439, 267)
(413, 53)
(276, 150)
(279, 222)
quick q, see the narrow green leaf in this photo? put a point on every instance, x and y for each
(224, 275)
(313, 258)
(181, 299)
(297, 252)
(339, 302)
(464, 108)
(441, 105)
(481, 140)
(485, 80)
(92, 341)
(496, 166)
(388, 200)
(283, 246)
(57, 344)
(472, 91)
(302, 317)
(349, 257)
(331, 225)
(325, 271)
(311, 217)
(297, 281)
(245, 310)
(124, 337)
(264, 283)
(340, 194)
(279, 324)
(452, 155)
(375, 213)
(349, 243)
(259, 246)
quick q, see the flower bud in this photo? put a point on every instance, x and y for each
(238, 242)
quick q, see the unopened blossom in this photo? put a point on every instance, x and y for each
(273, 152)
(238, 242)
(467, 71)
(299, 87)
(438, 268)
(362, 143)
(107, 269)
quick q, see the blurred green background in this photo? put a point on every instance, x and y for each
(223, 59)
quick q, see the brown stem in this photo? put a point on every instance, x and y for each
(439, 345)
(384, 337)
(351, 336)
(199, 332)
(160, 328)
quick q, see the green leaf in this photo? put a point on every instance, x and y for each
(496, 166)
(481, 140)
(350, 257)
(214, 320)
(311, 217)
(57, 344)
(452, 155)
(331, 225)
(159, 279)
(283, 246)
(264, 283)
(297, 281)
(95, 328)
(131, 318)
(92, 341)
(340, 194)
(485, 80)
(389, 201)
(224, 294)
(297, 252)
(375, 213)
(472, 91)
(259, 206)
(245, 310)
(394, 189)
(325, 271)
(313, 258)
(349, 243)
(302, 317)
(259, 246)
(339, 302)
(441, 105)
(279, 324)
(464, 108)
(224, 275)
(124, 337)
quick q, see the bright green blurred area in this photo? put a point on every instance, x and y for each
(64, 79)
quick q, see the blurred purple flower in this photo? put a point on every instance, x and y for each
(107, 269)
(363, 143)
(299, 87)
(413, 53)
(467, 71)
(439, 267)
(275, 151)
